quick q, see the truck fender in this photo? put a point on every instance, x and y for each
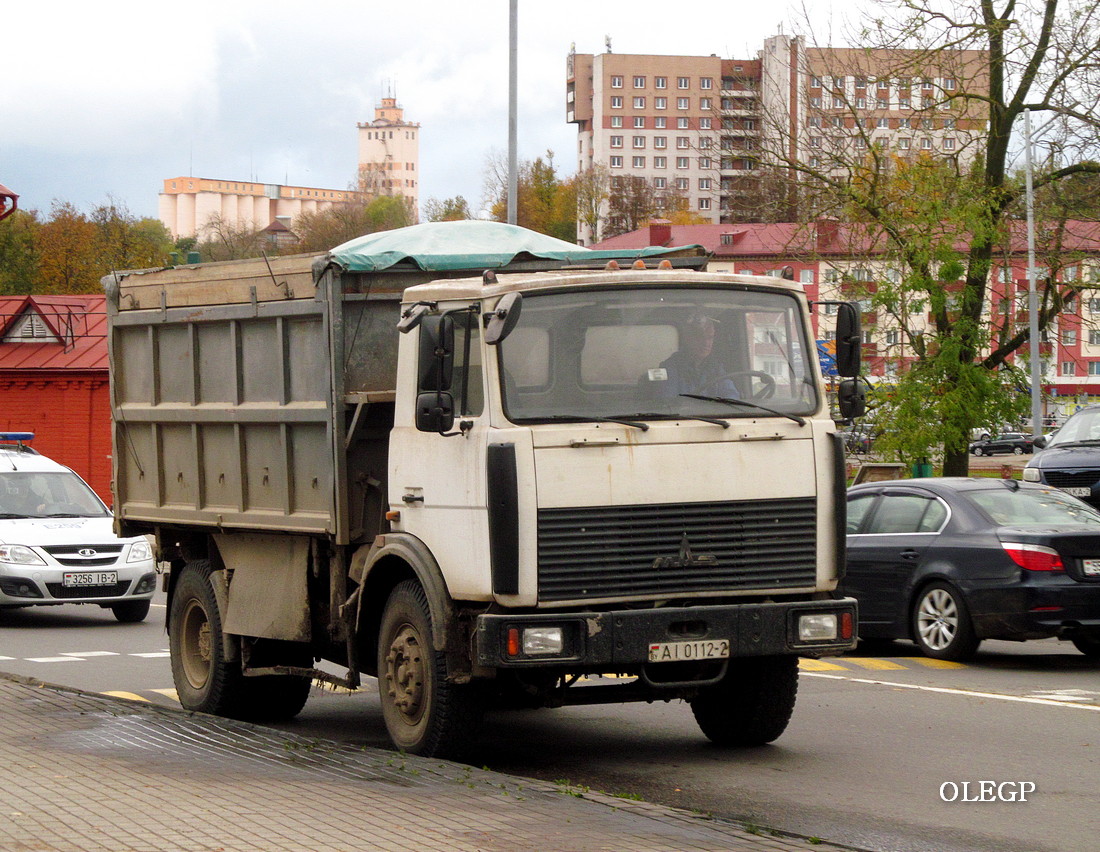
(372, 561)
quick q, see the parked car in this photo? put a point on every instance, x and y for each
(950, 562)
(1007, 442)
(1070, 457)
(57, 544)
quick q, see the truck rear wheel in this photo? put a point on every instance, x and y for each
(753, 703)
(204, 679)
(425, 714)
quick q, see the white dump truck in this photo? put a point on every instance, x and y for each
(481, 465)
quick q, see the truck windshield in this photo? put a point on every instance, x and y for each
(639, 353)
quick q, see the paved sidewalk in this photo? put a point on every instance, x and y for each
(87, 773)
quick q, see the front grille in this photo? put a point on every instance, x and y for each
(67, 592)
(663, 550)
(69, 554)
(1072, 478)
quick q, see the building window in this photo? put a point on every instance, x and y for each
(639, 122)
(660, 103)
(704, 183)
(683, 142)
(903, 103)
(705, 163)
(1094, 337)
(616, 102)
(706, 83)
(660, 162)
(639, 141)
(616, 82)
(639, 103)
(815, 121)
(660, 182)
(681, 162)
(683, 103)
(837, 102)
(861, 142)
(806, 276)
(1094, 368)
(1068, 368)
(882, 103)
(660, 141)
(616, 162)
(681, 183)
(704, 204)
(704, 103)
(903, 144)
(815, 141)
(838, 82)
(893, 337)
(704, 124)
(660, 82)
(815, 82)
(660, 122)
(638, 163)
(1069, 337)
(926, 83)
(616, 121)
(949, 144)
(949, 84)
(926, 144)
(616, 141)
(861, 103)
(683, 82)
(639, 82)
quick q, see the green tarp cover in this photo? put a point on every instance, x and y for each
(467, 245)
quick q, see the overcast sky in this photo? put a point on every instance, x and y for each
(108, 99)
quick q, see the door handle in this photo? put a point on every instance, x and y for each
(910, 554)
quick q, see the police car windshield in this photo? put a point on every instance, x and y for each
(59, 494)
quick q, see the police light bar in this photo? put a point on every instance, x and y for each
(16, 436)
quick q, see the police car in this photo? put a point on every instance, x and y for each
(57, 545)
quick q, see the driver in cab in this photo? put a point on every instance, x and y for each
(694, 368)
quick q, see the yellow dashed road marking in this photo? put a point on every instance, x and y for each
(928, 662)
(874, 663)
(168, 693)
(129, 696)
(808, 665)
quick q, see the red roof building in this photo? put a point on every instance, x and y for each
(54, 380)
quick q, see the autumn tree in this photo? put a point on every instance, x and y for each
(342, 222)
(592, 187)
(994, 60)
(545, 202)
(448, 210)
(67, 244)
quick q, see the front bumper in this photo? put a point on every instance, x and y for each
(23, 585)
(621, 638)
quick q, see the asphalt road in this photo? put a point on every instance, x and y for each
(874, 737)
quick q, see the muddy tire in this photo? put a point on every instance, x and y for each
(753, 703)
(425, 714)
(205, 680)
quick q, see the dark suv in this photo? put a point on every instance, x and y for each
(1070, 458)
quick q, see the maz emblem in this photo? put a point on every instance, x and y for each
(685, 559)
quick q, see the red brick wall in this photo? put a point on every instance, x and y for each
(70, 415)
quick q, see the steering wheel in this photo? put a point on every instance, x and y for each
(767, 383)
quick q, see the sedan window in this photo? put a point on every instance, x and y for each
(906, 513)
(857, 511)
(1013, 508)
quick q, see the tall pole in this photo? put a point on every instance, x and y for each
(1032, 295)
(513, 64)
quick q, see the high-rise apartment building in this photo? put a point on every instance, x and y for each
(700, 129)
(389, 153)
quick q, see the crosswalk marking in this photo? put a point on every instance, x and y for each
(808, 665)
(845, 664)
(930, 663)
(89, 653)
(167, 693)
(53, 659)
(151, 654)
(874, 663)
(129, 696)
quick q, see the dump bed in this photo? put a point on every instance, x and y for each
(234, 384)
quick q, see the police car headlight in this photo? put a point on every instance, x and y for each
(1031, 474)
(140, 551)
(18, 554)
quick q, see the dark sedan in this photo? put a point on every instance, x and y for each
(950, 562)
(1008, 442)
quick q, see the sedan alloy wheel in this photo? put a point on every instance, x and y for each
(941, 624)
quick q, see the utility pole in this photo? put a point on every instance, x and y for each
(513, 64)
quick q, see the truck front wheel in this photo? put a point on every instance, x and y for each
(753, 703)
(425, 714)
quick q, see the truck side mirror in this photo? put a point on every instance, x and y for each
(435, 412)
(437, 353)
(851, 399)
(849, 339)
(503, 318)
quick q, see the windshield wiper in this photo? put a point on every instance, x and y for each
(591, 418)
(728, 401)
(663, 415)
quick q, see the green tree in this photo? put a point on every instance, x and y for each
(942, 224)
(19, 253)
(448, 210)
(328, 229)
(545, 203)
(125, 242)
(592, 187)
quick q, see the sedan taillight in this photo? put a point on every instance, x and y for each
(1034, 557)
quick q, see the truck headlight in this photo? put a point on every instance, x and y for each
(817, 628)
(543, 640)
(18, 554)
